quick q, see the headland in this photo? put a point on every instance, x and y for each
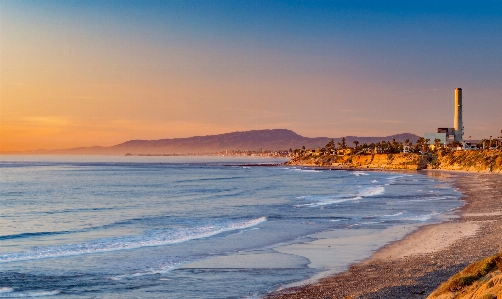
(473, 161)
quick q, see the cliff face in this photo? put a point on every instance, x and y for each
(481, 280)
(381, 161)
(478, 161)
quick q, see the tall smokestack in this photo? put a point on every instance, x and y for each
(457, 120)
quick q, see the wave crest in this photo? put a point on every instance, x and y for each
(149, 239)
(323, 200)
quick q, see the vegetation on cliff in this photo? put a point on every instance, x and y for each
(480, 160)
(397, 155)
(380, 161)
(480, 280)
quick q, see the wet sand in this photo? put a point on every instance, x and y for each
(416, 265)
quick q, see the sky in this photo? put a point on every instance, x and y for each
(85, 73)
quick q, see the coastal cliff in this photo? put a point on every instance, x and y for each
(476, 161)
(375, 161)
(480, 280)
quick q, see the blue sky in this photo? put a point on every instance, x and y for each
(179, 68)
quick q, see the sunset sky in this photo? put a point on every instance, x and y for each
(84, 73)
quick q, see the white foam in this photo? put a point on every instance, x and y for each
(147, 272)
(365, 223)
(393, 215)
(392, 179)
(326, 200)
(6, 290)
(29, 294)
(359, 173)
(372, 191)
(329, 200)
(153, 271)
(156, 238)
(434, 198)
(419, 218)
(305, 170)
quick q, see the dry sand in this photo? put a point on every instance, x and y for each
(416, 265)
(429, 239)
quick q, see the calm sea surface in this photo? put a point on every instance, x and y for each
(186, 227)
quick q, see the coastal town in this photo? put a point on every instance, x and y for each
(251, 149)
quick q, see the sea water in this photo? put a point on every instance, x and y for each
(188, 227)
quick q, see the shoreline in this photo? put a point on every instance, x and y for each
(414, 266)
(360, 168)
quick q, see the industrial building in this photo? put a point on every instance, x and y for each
(457, 131)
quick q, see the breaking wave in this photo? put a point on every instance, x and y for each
(359, 173)
(152, 238)
(6, 290)
(323, 200)
(12, 294)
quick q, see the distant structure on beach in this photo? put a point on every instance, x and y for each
(457, 120)
(458, 128)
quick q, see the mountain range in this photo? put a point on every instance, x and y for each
(275, 139)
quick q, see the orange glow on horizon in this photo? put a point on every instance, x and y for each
(89, 75)
(52, 133)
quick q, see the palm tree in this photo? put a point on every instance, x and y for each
(330, 145)
(419, 144)
(342, 145)
(355, 143)
(426, 145)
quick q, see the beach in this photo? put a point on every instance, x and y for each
(416, 265)
(136, 227)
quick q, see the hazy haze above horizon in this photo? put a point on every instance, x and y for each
(83, 73)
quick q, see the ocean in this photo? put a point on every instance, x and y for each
(195, 227)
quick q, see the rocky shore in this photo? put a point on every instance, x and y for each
(477, 161)
(415, 266)
(400, 161)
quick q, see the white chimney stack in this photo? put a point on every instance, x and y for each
(457, 121)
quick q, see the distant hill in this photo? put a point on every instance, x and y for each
(276, 139)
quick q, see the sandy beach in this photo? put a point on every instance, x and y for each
(416, 265)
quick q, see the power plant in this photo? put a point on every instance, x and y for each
(457, 120)
(458, 127)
